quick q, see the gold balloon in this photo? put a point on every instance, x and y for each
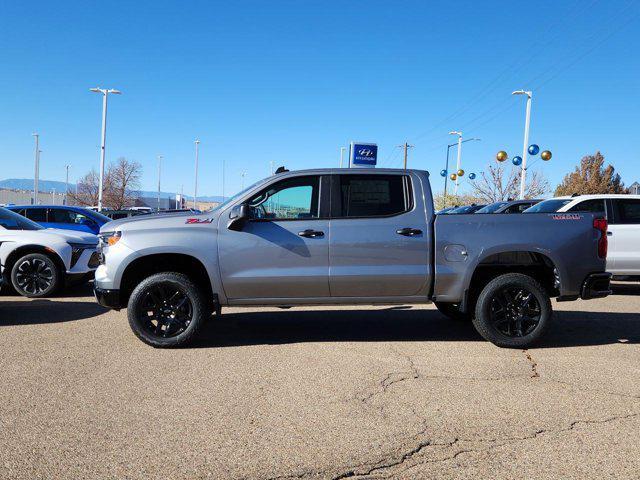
(460, 173)
(453, 177)
(502, 156)
(546, 155)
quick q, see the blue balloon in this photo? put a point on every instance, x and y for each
(443, 173)
(533, 149)
(472, 176)
(516, 160)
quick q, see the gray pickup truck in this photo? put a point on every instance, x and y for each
(348, 236)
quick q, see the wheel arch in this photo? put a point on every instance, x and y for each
(146, 265)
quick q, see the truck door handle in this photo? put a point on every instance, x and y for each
(609, 234)
(409, 232)
(311, 233)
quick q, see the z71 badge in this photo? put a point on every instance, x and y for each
(198, 220)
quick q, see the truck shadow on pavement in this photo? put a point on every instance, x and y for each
(569, 329)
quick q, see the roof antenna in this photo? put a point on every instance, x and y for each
(281, 170)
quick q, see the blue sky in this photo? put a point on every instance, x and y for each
(292, 81)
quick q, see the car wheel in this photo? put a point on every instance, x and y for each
(35, 276)
(452, 311)
(513, 311)
(167, 309)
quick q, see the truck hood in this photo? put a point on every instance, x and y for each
(158, 221)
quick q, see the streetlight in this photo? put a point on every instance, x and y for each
(105, 93)
(454, 132)
(446, 177)
(37, 168)
(195, 189)
(159, 173)
(66, 190)
(523, 171)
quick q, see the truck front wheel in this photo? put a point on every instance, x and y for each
(513, 311)
(167, 309)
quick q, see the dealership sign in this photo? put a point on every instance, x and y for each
(363, 154)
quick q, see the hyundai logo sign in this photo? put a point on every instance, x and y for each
(363, 154)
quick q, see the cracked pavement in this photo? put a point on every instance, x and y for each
(360, 392)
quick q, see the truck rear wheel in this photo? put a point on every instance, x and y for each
(513, 311)
(167, 309)
(452, 311)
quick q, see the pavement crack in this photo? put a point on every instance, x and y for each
(533, 363)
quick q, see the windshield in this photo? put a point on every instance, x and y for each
(465, 209)
(492, 208)
(97, 216)
(13, 221)
(238, 195)
(548, 206)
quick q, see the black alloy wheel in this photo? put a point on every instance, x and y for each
(167, 309)
(513, 311)
(35, 275)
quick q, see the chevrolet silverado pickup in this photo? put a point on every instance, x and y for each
(344, 237)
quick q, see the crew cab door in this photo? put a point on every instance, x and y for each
(380, 238)
(624, 229)
(282, 251)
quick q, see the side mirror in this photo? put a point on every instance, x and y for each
(238, 216)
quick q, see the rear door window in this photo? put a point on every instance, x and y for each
(372, 196)
(627, 211)
(37, 214)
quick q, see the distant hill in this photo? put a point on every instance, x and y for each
(48, 185)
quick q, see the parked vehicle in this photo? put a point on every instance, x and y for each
(118, 214)
(348, 236)
(510, 206)
(465, 209)
(62, 216)
(445, 210)
(623, 215)
(39, 261)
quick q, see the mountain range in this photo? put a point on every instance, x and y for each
(49, 185)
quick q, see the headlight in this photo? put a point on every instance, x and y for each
(110, 238)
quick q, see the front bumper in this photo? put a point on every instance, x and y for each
(596, 285)
(107, 298)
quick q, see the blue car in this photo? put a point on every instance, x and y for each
(62, 216)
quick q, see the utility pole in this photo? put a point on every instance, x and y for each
(523, 171)
(159, 175)
(458, 162)
(53, 196)
(103, 137)
(66, 190)
(195, 189)
(342, 150)
(37, 168)
(406, 148)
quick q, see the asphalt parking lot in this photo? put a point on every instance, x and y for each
(390, 392)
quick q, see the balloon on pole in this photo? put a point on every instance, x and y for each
(546, 155)
(443, 173)
(502, 156)
(472, 176)
(533, 149)
(517, 160)
(453, 177)
(460, 173)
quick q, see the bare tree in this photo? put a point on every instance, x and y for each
(87, 191)
(441, 201)
(124, 183)
(497, 186)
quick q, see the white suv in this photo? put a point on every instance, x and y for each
(623, 216)
(38, 261)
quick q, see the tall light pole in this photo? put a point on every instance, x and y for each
(195, 189)
(242, 175)
(159, 175)
(523, 171)
(105, 93)
(66, 188)
(53, 196)
(454, 132)
(446, 166)
(36, 173)
(342, 150)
